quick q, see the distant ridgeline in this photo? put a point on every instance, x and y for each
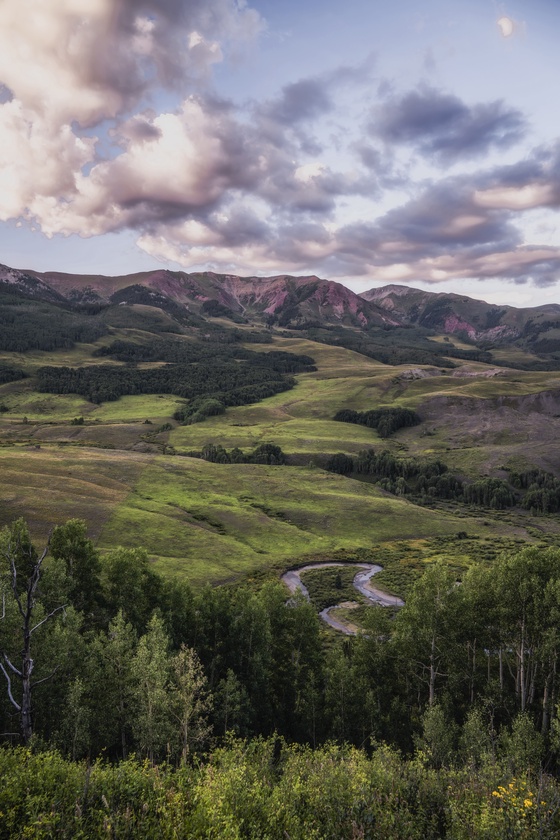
(36, 316)
(226, 374)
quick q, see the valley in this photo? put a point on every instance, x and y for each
(125, 465)
(178, 447)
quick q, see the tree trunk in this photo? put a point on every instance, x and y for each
(24, 598)
(433, 673)
(26, 670)
(521, 665)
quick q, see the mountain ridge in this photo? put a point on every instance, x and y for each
(296, 302)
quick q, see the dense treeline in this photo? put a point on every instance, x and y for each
(385, 421)
(141, 295)
(122, 655)
(187, 352)
(259, 662)
(404, 346)
(233, 384)
(489, 492)
(10, 374)
(398, 345)
(215, 309)
(37, 325)
(264, 453)
(211, 376)
(120, 661)
(542, 490)
(421, 480)
(215, 334)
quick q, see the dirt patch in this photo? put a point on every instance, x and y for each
(520, 422)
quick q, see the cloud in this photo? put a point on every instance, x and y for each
(447, 233)
(39, 162)
(261, 188)
(72, 64)
(441, 126)
(172, 165)
(240, 241)
(533, 182)
(86, 60)
(441, 235)
(301, 101)
(165, 167)
(443, 219)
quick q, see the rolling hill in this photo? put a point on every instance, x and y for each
(127, 459)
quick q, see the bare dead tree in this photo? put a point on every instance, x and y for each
(24, 593)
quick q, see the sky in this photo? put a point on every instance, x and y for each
(414, 142)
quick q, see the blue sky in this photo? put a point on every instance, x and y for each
(370, 143)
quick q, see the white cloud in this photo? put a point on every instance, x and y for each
(516, 198)
(518, 262)
(70, 63)
(86, 60)
(255, 191)
(39, 163)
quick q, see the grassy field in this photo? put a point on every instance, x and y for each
(215, 521)
(48, 485)
(211, 522)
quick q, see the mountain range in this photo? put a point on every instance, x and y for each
(298, 303)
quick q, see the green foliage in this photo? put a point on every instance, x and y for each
(386, 421)
(397, 346)
(436, 744)
(423, 480)
(138, 294)
(210, 376)
(215, 309)
(542, 490)
(10, 374)
(268, 453)
(340, 463)
(264, 453)
(70, 544)
(328, 587)
(27, 324)
(183, 351)
(18, 553)
(151, 672)
(522, 745)
(465, 673)
(232, 383)
(190, 702)
(489, 492)
(199, 410)
(413, 477)
(130, 585)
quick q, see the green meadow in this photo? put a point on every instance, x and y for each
(216, 522)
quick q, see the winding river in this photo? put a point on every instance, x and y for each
(361, 582)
